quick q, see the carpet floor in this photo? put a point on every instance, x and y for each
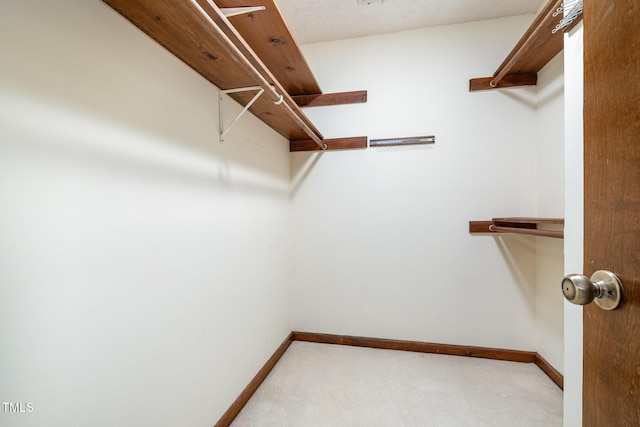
(333, 385)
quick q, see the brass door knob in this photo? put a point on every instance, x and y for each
(604, 288)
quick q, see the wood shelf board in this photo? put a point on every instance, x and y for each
(510, 80)
(539, 43)
(534, 50)
(348, 143)
(182, 29)
(328, 99)
(269, 37)
(480, 226)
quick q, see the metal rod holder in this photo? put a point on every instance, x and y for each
(235, 11)
(223, 130)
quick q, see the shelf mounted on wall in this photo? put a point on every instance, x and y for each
(235, 46)
(539, 45)
(519, 225)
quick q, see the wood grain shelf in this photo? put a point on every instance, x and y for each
(269, 37)
(349, 143)
(186, 29)
(519, 225)
(536, 48)
(198, 33)
(328, 99)
(243, 51)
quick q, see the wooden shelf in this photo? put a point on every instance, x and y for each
(328, 99)
(518, 225)
(350, 143)
(269, 37)
(188, 30)
(536, 48)
(243, 51)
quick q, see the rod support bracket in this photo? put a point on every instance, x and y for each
(235, 11)
(223, 130)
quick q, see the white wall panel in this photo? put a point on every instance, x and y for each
(550, 196)
(381, 236)
(144, 267)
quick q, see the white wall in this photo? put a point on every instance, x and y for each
(550, 195)
(381, 236)
(574, 206)
(144, 267)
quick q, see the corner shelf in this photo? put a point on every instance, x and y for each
(271, 41)
(518, 225)
(237, 57)
(536, 48)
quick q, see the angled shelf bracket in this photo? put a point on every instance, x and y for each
(235, 11)
(223, 130)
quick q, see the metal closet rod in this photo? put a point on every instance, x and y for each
(558, 234)
(262, 82)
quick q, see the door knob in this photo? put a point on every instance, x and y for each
(604, 288)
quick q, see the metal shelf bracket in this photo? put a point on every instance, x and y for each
(223, 130)
(234, 11)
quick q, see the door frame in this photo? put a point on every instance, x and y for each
(574, 220)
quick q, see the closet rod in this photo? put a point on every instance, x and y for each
(558, 234)
(541, 25)
(234, 51)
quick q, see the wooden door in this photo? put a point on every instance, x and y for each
(611, 389)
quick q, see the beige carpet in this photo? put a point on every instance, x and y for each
(332, 385)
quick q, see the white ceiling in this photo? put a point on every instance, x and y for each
(312, 21)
